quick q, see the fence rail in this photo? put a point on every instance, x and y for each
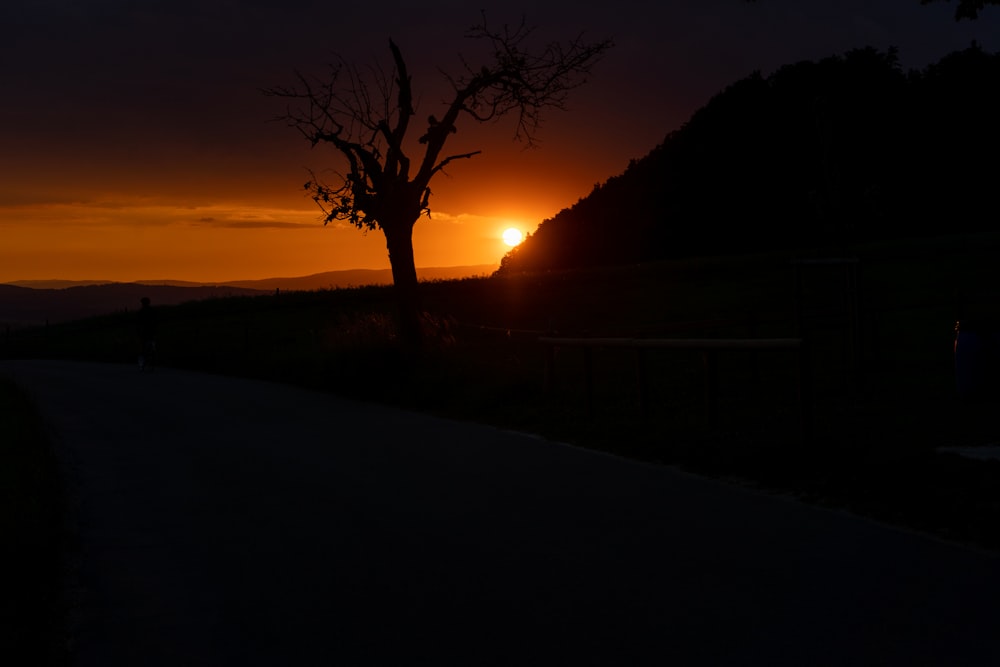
(709, 347)
(678, 343)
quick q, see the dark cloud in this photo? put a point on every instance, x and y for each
(40, 196)
(272, 224)
(255, 224)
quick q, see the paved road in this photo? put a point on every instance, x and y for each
(233, 522)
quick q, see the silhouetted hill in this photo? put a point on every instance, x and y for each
(56, 284)
(325, 280)
(33, 302)
(361, 277)
(816, 155)
(22, 306)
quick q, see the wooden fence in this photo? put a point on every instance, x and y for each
(709, 348)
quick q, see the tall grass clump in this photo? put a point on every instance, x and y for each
(32, 520)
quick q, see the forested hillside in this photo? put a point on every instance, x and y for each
(817, 155)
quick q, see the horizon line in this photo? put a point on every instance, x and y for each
(21, 282)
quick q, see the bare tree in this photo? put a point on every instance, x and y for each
(366, 114)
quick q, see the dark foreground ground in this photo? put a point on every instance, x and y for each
(233, 522)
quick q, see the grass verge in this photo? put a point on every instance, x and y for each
(32, 515)
(880, 365)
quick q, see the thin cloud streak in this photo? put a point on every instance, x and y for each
(105, 214)
(262, 224)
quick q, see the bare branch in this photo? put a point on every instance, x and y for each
(365, 115)
(451, 158)
(524, 81)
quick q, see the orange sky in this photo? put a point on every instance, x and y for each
(257, 230)
(221, 222)
(134, 142)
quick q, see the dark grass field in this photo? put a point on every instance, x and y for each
(879, 332)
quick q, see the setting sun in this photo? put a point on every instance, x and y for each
(512, 236)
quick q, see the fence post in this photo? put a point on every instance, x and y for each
(588, 371)
(805, 394)
(549, 379)
(641, 382)
(755, 355)
(711, 361)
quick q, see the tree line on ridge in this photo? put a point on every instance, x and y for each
(818, 155)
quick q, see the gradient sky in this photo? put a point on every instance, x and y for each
(135, 144)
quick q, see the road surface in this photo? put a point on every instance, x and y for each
(225, 521)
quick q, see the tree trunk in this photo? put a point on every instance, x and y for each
(399, 242)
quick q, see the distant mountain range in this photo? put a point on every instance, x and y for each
(325, 280)
(36, 302)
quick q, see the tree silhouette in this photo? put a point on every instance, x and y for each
(366, 113)
(818, 155)
(967, 9)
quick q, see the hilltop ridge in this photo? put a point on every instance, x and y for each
(323, 280)
(37, 302)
